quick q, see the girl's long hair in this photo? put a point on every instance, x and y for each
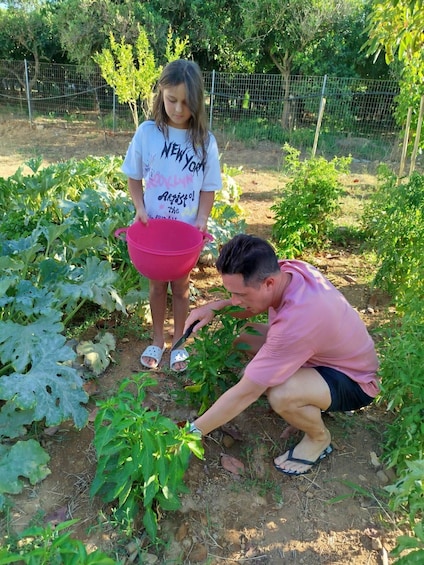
(189, 73)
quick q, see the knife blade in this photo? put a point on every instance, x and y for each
(185, 336)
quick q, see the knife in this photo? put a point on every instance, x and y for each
(185, 336)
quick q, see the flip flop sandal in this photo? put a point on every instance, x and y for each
(178, 356)
(295, 473)
(155, 353)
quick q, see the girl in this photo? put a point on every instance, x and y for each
(173, 171)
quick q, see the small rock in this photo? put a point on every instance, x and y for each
(390, 473)
(375, 462)
(227, 441)
(131, 547)
(382, 477)
(149, 559)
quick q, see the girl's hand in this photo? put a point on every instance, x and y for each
(201, 223)
(141, 216)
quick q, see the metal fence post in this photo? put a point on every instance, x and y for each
(28, 92)
(212, 94)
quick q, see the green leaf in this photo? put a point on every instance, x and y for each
(96, 354)
(150, 523)
(24, 459)
(22, 345)
(150, 489)
(49, 387)
(94, 281)
(170, 502)
(13, 420)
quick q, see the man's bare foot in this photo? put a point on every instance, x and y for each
(300, 459)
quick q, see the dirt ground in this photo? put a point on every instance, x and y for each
(263, 517)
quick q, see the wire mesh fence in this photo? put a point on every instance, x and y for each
(356, 116)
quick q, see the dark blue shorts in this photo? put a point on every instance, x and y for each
(346, 394)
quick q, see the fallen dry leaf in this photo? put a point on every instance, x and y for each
(57, 516)
(232, 464)
(90, 388)
(182, 532)
(199, 553)
(92, 415)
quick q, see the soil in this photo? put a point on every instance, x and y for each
(334, 515)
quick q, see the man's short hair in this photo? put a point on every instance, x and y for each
(249, 256)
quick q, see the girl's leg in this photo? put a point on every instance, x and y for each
(180, 304)
(157, 296)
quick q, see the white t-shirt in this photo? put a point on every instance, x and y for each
(173, 173)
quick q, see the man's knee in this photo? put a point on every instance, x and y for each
(281, 397)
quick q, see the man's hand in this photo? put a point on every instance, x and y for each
(205, 314)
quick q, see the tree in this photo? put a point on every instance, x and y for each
(214, 29)
(26, 33)
(338, 52)
(283, 29)
(26, 28)
(132, 72)
(396, 28)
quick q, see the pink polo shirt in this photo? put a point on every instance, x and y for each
(314, 326)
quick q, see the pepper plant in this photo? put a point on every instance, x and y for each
(215, 361)
(142, 456)
(50, 545)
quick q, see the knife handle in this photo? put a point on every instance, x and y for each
(190, 328)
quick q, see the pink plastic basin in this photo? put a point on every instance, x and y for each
(163, 250)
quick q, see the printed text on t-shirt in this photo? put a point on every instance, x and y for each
(183, 156)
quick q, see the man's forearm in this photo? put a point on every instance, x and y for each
(228, 406)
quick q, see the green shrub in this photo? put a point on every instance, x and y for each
(407, 495)
(303, 216)
(394, 221)
(402, 376)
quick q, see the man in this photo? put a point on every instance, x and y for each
(314, 355)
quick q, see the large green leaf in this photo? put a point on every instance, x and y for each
(22, 345)
(53, 390)
(42, 381)
(24, 459)
(94, 282)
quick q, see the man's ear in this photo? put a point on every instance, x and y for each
(270, 282)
